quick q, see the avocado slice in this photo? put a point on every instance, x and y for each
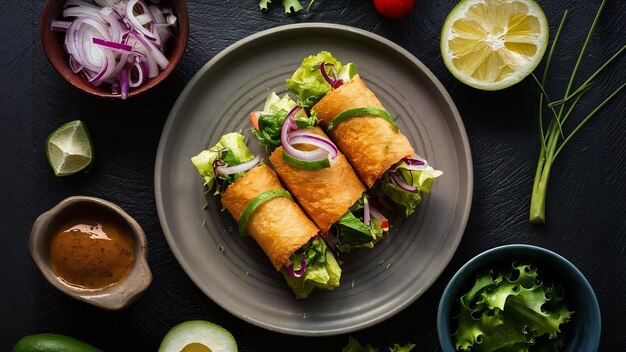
(198, 336)
(52, 343)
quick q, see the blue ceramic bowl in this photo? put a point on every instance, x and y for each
(584, 335)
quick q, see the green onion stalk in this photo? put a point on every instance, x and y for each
(553, 139)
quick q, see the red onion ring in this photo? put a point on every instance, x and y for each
(402, 184)
(366, 212)
(300, 272)
(326, 147)
(289, 135)
(334, 82)
(229, 170)
(132, 19)
(99, 43)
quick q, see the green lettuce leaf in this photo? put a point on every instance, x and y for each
(292, 6)
(407, 201)
(353, 233)
(272, 117)
(232, 149)
(511, 310)
(308, 84)
(263, 4)
(354, 346)
(322, 270)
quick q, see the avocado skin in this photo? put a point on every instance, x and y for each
(52, 343)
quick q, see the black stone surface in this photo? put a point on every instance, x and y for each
(586, 212)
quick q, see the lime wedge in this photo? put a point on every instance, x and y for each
(69, 148)
(494, 44)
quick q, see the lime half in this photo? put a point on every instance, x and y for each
(494, 44)
(69, 148)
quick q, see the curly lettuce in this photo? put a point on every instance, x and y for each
(307, 82)
(404, 200)
(322, 269)
(232, 149)
(354, 346)
(511, 310)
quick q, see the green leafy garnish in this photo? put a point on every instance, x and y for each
(308, 84)
(553, 140)
(354, 346)
(256, 202)
(291, 6)
(272, 117)
(322, 269)
(366, 111)
(353, 233)
(404, 200)
(232, 149)
(511, 310)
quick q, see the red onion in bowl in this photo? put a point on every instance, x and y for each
(106, 37)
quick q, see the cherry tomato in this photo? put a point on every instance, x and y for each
(394, 9)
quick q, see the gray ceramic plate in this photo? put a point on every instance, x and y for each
(376, 283)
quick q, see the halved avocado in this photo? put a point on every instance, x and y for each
(198, 336)
(52, 343)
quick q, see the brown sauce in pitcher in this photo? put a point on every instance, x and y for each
(92, 252)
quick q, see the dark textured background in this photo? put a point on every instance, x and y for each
(585, 207)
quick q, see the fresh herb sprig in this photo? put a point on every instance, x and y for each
(291, 6)
(553, 139)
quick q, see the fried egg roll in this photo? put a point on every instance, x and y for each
(278, 225)
(371, 144)
(325, 194)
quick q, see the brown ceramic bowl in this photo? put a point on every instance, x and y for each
(53, 46)
(114, 297)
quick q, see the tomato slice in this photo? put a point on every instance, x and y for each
(254, 118)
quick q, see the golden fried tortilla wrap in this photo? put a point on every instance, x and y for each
(279, 226)
(369, 143)
(325, 194)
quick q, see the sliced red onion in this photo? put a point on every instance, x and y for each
(160, 22)
(417, 163)
(60, 26)
(326, 147)
(330, 242)
(74, 65)
(106, 37)
(99, 77)
(325, 75)
(229, 170)
(81, 3)
(112, 45)
(300, 272)
(384, 223)
(156, 54)
(139, 75)
(124, 83)
(416, 160)
(132, 19)
(402, 184)
(334, 82)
